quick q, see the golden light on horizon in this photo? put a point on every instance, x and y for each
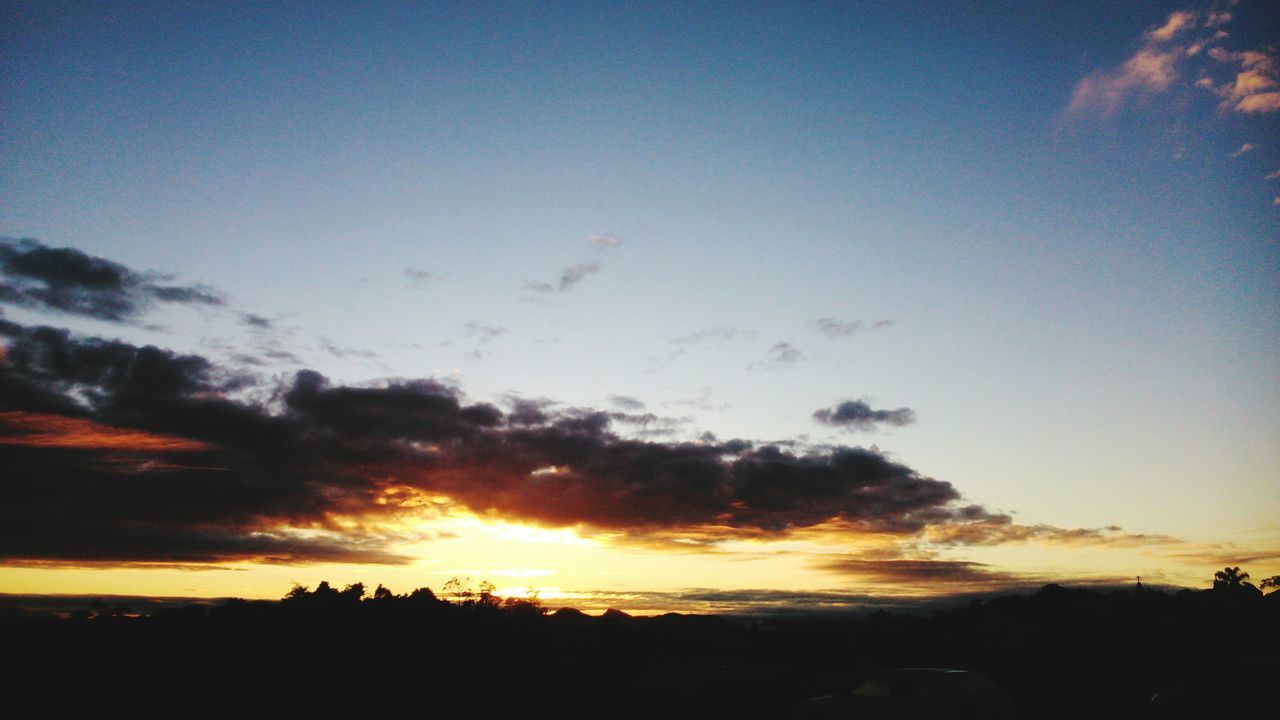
(596, 570)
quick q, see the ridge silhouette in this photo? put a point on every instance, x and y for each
(1059, 652)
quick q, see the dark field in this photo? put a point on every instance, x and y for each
(1059, 653)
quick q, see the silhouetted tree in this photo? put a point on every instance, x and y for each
(525, 607)
(486, 599)
(324, 594)
(1230, 578)
(352, 593)
(459, 589)
(1272, 583)
(423, 595)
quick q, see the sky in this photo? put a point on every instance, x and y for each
(660, 306)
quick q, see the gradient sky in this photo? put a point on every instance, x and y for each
(1048, 238)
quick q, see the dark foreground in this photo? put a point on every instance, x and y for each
(1060, 653)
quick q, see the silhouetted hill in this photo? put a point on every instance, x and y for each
(1060, 652)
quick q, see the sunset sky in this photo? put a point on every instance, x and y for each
(654, 306)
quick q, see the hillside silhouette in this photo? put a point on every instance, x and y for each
(1059, 652)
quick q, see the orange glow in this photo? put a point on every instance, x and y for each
(58, 431)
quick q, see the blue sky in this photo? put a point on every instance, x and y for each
(1062, 259)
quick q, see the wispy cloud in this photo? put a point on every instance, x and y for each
(345, 352)
(1150, 71)
(1224, 555)
(1247, 147)
(569, 277)
(701, 400)
(836, 328)
(647, 424)
(605, 240)
(715, 333)
(999, 529)
(482, 332)
(626, 402)
(781, 354)
(418, 278)
(1217, 17)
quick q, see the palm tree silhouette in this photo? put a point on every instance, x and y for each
(1230, 579)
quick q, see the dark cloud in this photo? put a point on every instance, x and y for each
(118, 453)
(529, 412)
(289, 481)
(928, 572)
(575, 274)
(1216, 556)
(948, 577)
(68, 280)
(649, 424)
(249, 484)
(256, 321)
(754, 601)
(836, 328)
(569, 277)
(857, 415)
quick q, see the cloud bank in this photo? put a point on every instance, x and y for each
(116, 453)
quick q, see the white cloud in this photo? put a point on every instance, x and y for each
(1153, 69)
(1259, 103)
(1177, 22)
(1256, 87)
(1149, 71)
